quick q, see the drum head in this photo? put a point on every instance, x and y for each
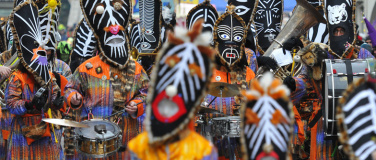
(112, 129)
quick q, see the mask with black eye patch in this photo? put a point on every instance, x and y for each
(340, 18)
(268, 18)
(230, 34)
(109, 19)
(245, 9)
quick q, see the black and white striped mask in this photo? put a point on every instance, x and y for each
(109, 20)
(84, 42)
(267, 20)
(229, 37)
(205, 11)
(48, 18)
(29, 41)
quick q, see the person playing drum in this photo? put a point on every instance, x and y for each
(110, 81)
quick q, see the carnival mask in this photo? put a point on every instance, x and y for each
(146, 35)
(230, 35)
(181, 75)
(29, 41)
(245, 9)
(341, 24)
(49, 16)
(84, 42)
(109, 20)
(266, 119)
(268, 20)
(356, 119)
(205, 11)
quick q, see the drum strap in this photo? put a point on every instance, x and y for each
(315, 119)
(349, 71)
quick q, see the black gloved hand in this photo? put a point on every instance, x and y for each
(291, 43)
(39, 102)
(267, 62)
(290, 83)
(58, 102)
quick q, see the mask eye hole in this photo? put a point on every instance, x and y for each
(99, 9)
(224, 36)
(238, 38)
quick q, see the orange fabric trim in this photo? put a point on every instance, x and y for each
(63, 83)
(222, 75)
(24, 78)
(5, 134)
(250, 74)
(96, 62)
(138, 68)
(300, 124)
(313, 150)
(140, 107)
(69, 100)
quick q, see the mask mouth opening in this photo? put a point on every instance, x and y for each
(167, 108)
(115, 40)
(42, 53)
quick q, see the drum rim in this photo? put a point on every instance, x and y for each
(116, 127)
(227, 118)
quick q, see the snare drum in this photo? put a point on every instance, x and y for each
(337, 75)
(95, 145)
(226, 126)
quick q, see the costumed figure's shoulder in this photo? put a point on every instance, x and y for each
(95, 67)
(138, 67)
(139, 145)
(199, 143)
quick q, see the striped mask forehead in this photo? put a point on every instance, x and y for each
(203, 11)
(244, 8)
(85, 42)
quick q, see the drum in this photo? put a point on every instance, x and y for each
(337, 75)
(226, 126)
(102, 139)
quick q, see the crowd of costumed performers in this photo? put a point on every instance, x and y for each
(236, 85)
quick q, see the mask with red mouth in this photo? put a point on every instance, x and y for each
(29, 42)
(109, 19)
(230, 34)
(180, 77)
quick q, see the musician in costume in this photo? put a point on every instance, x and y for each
(110, 81)
(266, 120)
(371, 35)
(307, 86)
(31, 91)
(180, 79)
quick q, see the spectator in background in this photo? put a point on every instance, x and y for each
(63, 50)
(62, 31)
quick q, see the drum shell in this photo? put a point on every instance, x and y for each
(98, 147)
(337, 75)
(226, 126)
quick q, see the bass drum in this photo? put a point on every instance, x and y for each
(337, 75)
